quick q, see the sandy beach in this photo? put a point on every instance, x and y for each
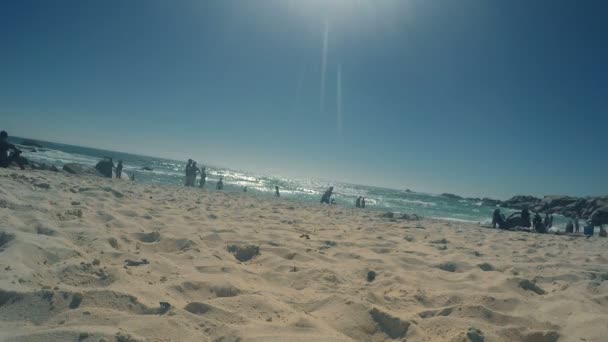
(90, 259)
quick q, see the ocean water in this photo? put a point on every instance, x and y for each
(171, 172)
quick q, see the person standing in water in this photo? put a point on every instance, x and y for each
(188, 172)
(358, 202)
(327, 195)
(203, 177)
(119, 170)
(193, 176)
(220, 184)
(576, 223)
(362, 202)
(276, 191)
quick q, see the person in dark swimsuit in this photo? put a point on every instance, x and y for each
(7, 159)
(327, 195)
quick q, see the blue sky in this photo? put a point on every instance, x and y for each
(473, 97)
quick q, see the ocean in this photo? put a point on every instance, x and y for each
(171, 172)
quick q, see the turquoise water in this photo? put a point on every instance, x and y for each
(166, 171)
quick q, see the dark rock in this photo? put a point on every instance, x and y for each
(371, 276)
(147, 168)
(521, 202)
(105, 168)
(45, 231)
(388, 215)
(488, 202)
(451, 196)
(599, 216)
(32, 143)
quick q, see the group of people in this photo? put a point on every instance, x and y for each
(192, 171)
(521, 220)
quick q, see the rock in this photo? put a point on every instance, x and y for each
(371, 276)
(79, 169)
(105, 168)
(447, 266)
(599, 216)
(451, 196)
(486, 267)
(388, 215)
(53, 168)
(521, 202)
(147, 168)
(31, 143)
(488, 202)
(475, 335)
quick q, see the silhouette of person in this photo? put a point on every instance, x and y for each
(194, 171)
(203, 176)
(576, 223)
(119, 170)
(220, 184)
(188, 172)
(327, 195)
(7, 159)
(525, 218)
(244, 189)
(276, 191)
(362, 202)
(358, 202)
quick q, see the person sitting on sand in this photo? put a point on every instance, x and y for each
(327, 195)
(497, 219)
(538, 224)
(119, 170)
(358, 202)
(203, 177)
(220, 184)
(7, 159)
(276, 191)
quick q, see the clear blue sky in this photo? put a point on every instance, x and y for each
(473, 97)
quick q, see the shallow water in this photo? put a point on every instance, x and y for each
(166, 171)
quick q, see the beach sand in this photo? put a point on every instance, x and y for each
(90, 259)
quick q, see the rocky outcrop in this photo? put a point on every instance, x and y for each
(599, 216)
(451, 196)
(31, 143)
(488, 202)
(562, 205)
(521, 202)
